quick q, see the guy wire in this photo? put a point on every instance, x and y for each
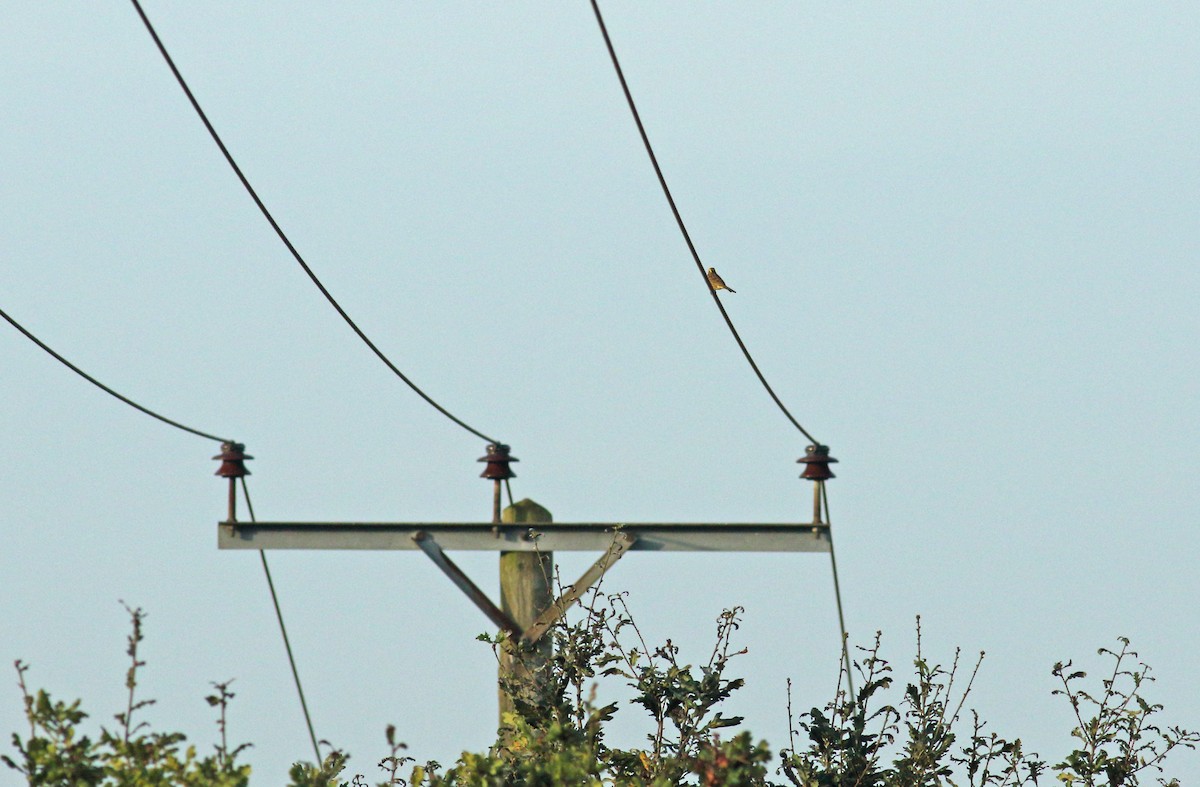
(283, 630)
(837, 594)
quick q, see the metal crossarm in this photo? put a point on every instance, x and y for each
(557, 537)
(613, 539)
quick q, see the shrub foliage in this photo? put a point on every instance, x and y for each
(556, 734)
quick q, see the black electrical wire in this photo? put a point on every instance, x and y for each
(837, 594)
(612, 53)
(637, 118)
(283, 630)
(245, 494)
(283, 237)
(104, 387)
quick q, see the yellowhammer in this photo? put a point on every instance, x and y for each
(717, 282)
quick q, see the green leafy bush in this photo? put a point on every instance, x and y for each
(129, 755)
(556, 732)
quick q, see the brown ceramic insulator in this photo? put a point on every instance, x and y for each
(498, 461)
(817, 460)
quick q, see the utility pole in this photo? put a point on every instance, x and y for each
(526, 537)
(526, 589)
(526, 593)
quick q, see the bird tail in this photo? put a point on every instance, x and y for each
(727, 287)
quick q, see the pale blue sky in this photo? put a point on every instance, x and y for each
(964, 239)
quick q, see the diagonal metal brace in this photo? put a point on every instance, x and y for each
(622, 541)
(464, 583)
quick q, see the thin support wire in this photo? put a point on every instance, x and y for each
(104, 387)
(283, 630)
(662, 181)
(212, 131)
(837, 594)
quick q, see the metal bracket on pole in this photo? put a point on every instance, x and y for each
(621, 543)
(464, 583)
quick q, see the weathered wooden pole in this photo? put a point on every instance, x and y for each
(526, 591)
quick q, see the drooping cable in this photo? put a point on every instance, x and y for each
(662, 181)
(245, 494)
(104, 387)
(283, 236)
(283, 630)
(837, 594)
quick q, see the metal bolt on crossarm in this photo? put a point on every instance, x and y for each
(498, 470)
(817, 460)
(233, 458)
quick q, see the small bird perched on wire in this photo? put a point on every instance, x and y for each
(717, 283)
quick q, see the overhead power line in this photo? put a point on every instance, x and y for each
(245, 493)
(104, 387)
(283, 236)
(662, 181)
